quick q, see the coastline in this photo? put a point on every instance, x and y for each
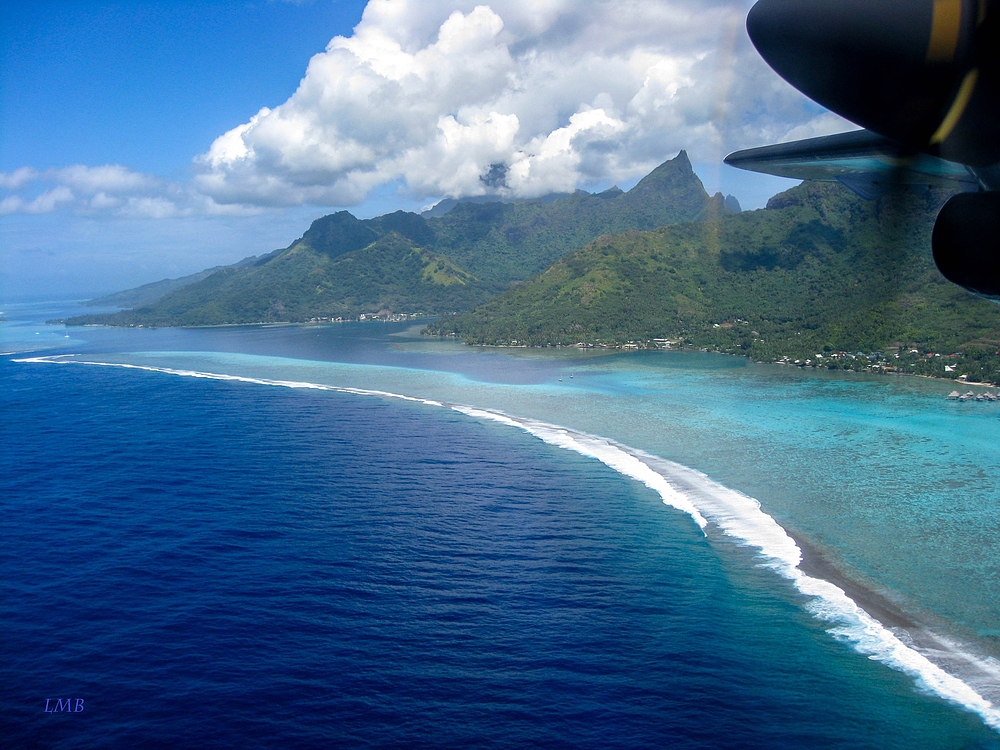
(616, 348)
(626, 349)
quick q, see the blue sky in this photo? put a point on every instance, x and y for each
(147, 84)
(140, 140)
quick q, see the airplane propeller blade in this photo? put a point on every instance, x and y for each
(922, 72)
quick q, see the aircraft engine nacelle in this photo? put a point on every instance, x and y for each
(925, 73)
(966, 242)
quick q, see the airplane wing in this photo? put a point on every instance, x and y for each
(865, 162)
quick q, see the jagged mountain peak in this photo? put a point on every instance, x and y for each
(673, 172)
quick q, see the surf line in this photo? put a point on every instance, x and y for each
(736, 515)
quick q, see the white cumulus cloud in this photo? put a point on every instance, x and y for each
(519, 97)
(18, 178)
(86, 189)
(111, 178)
(44, 203)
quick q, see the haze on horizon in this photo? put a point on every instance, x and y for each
(150, 139)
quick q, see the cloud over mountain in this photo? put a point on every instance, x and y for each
(516, 97)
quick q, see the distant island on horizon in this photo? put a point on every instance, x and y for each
(818, 278)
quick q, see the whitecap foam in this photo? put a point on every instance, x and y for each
(736, 515)
(592, 446)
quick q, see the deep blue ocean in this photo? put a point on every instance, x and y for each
(221, 563)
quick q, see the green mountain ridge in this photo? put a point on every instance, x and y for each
(817, 277)
(303, 284)
(404, 263)
(147, 294)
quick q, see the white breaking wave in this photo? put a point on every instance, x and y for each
(605, 451)
(736, 515)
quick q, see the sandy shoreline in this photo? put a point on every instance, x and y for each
(970, 659)
(818, 565)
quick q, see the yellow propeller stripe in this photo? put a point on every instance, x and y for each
(957, 108)
(946, 24)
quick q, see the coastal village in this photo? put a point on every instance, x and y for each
(382, 316)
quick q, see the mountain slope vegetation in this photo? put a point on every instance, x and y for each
(301, 284)
(818, 275)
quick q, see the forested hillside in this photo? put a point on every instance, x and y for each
(820, 275)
